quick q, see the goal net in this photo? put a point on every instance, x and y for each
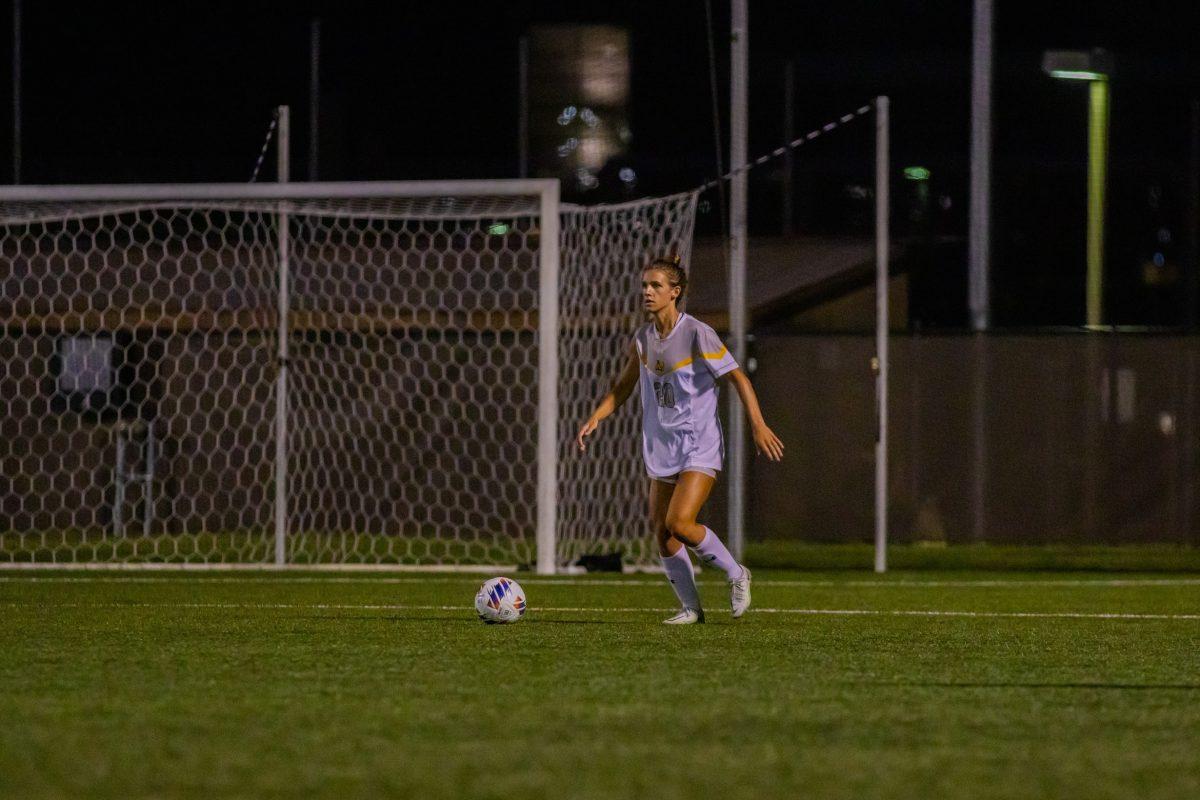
(372, 373)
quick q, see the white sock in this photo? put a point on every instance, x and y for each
(679, 572)
(713, 553)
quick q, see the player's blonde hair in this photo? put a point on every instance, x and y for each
(673, 268)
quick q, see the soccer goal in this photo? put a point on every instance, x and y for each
(380, 373)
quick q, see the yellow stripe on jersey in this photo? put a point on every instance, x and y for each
(710, 356)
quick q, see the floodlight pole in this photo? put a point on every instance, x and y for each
(789, 133)
(281, 387)
(1097, 175)
(523, 107)
(16, 93)
(314, 97)
(1095, 67)
(739, 36)
(882, 204)
(979, 247)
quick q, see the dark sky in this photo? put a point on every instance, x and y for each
(149, 92)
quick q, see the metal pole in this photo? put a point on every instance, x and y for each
(1097, 171)
(281, 387)
(979, 471)
(16, 93)
(881, 329)
(314, 97)
(547, 434)
(739, 36)
(979, 247)
(789, 133)
(523, 107)
(1193, 217)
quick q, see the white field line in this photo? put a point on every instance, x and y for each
(269, 579)
(467, 612)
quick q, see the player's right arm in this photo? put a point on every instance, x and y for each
(622, 387)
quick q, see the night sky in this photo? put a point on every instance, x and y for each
(153, 92)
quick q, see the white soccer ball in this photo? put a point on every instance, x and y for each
(500, 601)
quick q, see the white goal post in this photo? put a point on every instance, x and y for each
(379, 374)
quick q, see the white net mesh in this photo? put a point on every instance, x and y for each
(139, 364)
(602, 503)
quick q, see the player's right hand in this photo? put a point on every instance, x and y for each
(586, 430)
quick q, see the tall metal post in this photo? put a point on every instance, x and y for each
(547, 435)
(881, 329)
(16, 93)
(1097, 178)
(739, 72)
(979, 246)
(980, 249)
(1192, 295)
(281, 386)
(523, 107)
(789, 133)
(314, 97)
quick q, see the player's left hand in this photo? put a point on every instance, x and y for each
(768, 443)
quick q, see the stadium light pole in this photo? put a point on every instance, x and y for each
(523, 107)
(314, 96)
(1095, 67)
(16, 92)
(882, 323)
(979, 247)
(739, 43)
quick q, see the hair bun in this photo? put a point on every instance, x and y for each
(675, 259)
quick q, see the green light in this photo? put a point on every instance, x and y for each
(916, 173)
(498, 228)
(1077, 75)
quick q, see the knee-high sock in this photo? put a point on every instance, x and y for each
(683, 580)
(713, 552)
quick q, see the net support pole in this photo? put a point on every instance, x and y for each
(881, 329)
(547, 436)
(281, 386)
(739, 57)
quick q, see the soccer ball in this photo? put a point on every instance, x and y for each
(500, 601)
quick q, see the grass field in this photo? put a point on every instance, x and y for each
(837, 685)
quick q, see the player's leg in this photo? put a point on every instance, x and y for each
(676, 563)
(689, 497)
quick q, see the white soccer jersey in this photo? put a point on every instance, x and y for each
(680, 427)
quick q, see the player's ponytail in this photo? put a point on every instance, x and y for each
(672, 265)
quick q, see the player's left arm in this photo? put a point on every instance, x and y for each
(764, 438)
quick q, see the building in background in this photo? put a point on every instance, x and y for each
(579, 77)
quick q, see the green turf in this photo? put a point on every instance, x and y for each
(940, 556)
(163, 685)
(349, 547)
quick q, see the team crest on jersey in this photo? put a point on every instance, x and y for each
(658, 367)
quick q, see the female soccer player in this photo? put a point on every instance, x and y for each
(679, 360)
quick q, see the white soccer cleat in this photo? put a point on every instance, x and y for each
(739, 594)
(686, 616)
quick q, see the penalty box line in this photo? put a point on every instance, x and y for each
(835, 612)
